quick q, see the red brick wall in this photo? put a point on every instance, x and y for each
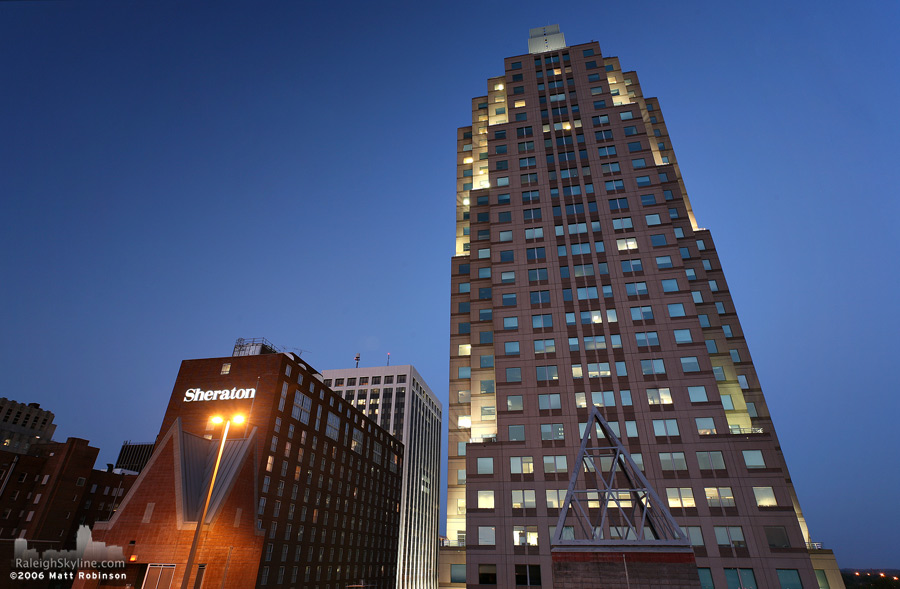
(586, 569)
(167, 540)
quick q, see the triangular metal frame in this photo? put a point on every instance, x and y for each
(636, 506)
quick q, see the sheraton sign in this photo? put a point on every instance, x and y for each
(218, 395)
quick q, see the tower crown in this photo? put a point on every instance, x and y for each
(544, 39)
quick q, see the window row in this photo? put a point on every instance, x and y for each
(676, 497)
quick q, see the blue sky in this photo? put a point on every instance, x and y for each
(174, 176)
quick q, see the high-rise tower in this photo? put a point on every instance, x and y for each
(582, 277)
(399, 400)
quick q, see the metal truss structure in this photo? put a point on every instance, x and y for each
(615, 504)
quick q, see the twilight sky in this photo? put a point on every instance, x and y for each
(175, 175)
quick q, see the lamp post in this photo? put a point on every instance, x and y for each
(238, 419)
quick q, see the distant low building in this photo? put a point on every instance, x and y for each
(47, 494)
(23, 425)
(134, 456)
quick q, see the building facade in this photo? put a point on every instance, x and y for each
(581, 277)
(24, 424)
(48, 493)
(399, 400)
(134, 456)
(307, 495)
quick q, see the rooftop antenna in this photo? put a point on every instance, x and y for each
(357, 360)
(298, 350)
(389, 359)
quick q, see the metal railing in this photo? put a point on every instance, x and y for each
(746, 430)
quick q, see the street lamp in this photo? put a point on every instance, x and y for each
(237, 419)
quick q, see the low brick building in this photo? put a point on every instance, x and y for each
(48, 493)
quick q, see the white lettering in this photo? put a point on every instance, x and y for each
(191, 395)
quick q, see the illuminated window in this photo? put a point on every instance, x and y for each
(523, 499)
(521, 464)
(659, 396)
(705, 426)
(682, 497)
(485, 499)
(719, 496)
(525, 535)
(765, 497)
(519, 104)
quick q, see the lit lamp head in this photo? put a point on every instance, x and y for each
(238, 419)
(217, 419)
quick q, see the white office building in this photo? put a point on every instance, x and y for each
(400, 401)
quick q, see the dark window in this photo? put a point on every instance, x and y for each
(487, 574)
(529, 574)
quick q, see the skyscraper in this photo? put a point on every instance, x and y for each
(400, 401)
(581, 277)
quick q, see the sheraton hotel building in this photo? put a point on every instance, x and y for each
(306, 490)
